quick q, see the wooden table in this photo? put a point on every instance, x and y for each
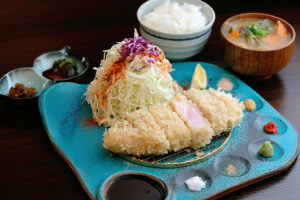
(30, 168)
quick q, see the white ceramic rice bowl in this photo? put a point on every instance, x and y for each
(177, 46)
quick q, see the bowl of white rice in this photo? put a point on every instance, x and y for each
(180, 28)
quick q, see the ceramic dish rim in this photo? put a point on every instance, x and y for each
(64, 50)
(66, 159)
(31, 69)
(179, 35)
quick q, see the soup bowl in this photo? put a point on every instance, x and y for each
(258, 64)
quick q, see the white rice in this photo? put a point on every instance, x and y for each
(170, 17)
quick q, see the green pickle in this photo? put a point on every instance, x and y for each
(266, 150)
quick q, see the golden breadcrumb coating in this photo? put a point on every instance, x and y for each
(176, 131)
(234, 108)
(188, 121)
(213, 109)
(201, 134)
(123, 138)
(155, 140)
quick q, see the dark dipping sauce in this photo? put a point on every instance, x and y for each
(135, 187)
(61, 69)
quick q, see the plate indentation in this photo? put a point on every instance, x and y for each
(254, 147)
(261, 120)
(232, 166)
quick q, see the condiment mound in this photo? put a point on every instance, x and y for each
(61, 69)
(21, 91)
(64, 115)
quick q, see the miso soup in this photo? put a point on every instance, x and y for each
(257, 34)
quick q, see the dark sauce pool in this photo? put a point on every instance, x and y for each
(136, 187)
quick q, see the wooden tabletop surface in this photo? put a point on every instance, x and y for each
(30, 168)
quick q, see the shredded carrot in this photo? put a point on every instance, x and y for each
(234, 34)
(281, 30)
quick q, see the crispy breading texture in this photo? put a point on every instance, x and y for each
(234, 108)
(200, 134)
(123, 138)
(155, 140)
(176, 131)
(213, 109)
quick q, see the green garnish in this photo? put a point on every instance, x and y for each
(61, 62)
(256, 30)
(249, 34)
(72, 62)
(266, 150)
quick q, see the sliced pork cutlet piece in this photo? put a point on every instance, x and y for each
(234, 108)
(201, 132)
(212, 108)
(123, 138)
(175, 129)
(155, 141)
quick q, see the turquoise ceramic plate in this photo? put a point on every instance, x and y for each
(67, 120)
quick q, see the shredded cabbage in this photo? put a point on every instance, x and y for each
(125, 84)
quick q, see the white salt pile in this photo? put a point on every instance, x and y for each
(175, 18)
(195, 183)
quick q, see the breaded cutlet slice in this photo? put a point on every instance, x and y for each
(154, 139)
(175, 129)
(234, 108)
(201, 132)
(123, 138)
(212, 108)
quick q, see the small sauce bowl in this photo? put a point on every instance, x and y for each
(45, 62)
(28, 77)
(33, 76)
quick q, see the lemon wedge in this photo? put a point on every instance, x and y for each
(199, 80)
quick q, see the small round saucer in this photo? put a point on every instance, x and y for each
(28, 77)
(45, 62)
(33, 76)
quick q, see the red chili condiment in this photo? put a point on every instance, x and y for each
(184, 87)
(89, 122)
(270, 127)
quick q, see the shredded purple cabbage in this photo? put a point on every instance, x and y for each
(137, 70)
(135, 46)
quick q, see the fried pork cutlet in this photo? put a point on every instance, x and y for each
(234, 108)
(176, 131)
(201, 132)
(155, 141)
(189, 121)
(212, 108)
(122, 137)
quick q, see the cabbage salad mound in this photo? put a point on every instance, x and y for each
(134, 74)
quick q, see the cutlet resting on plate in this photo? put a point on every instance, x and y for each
(234, 108)
(122, 137)
(212, 108)
(154, 139)
(201, 132)
(175, 129)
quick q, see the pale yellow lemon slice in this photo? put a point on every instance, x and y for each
(199, 80)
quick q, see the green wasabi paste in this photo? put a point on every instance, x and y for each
(266, 150)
